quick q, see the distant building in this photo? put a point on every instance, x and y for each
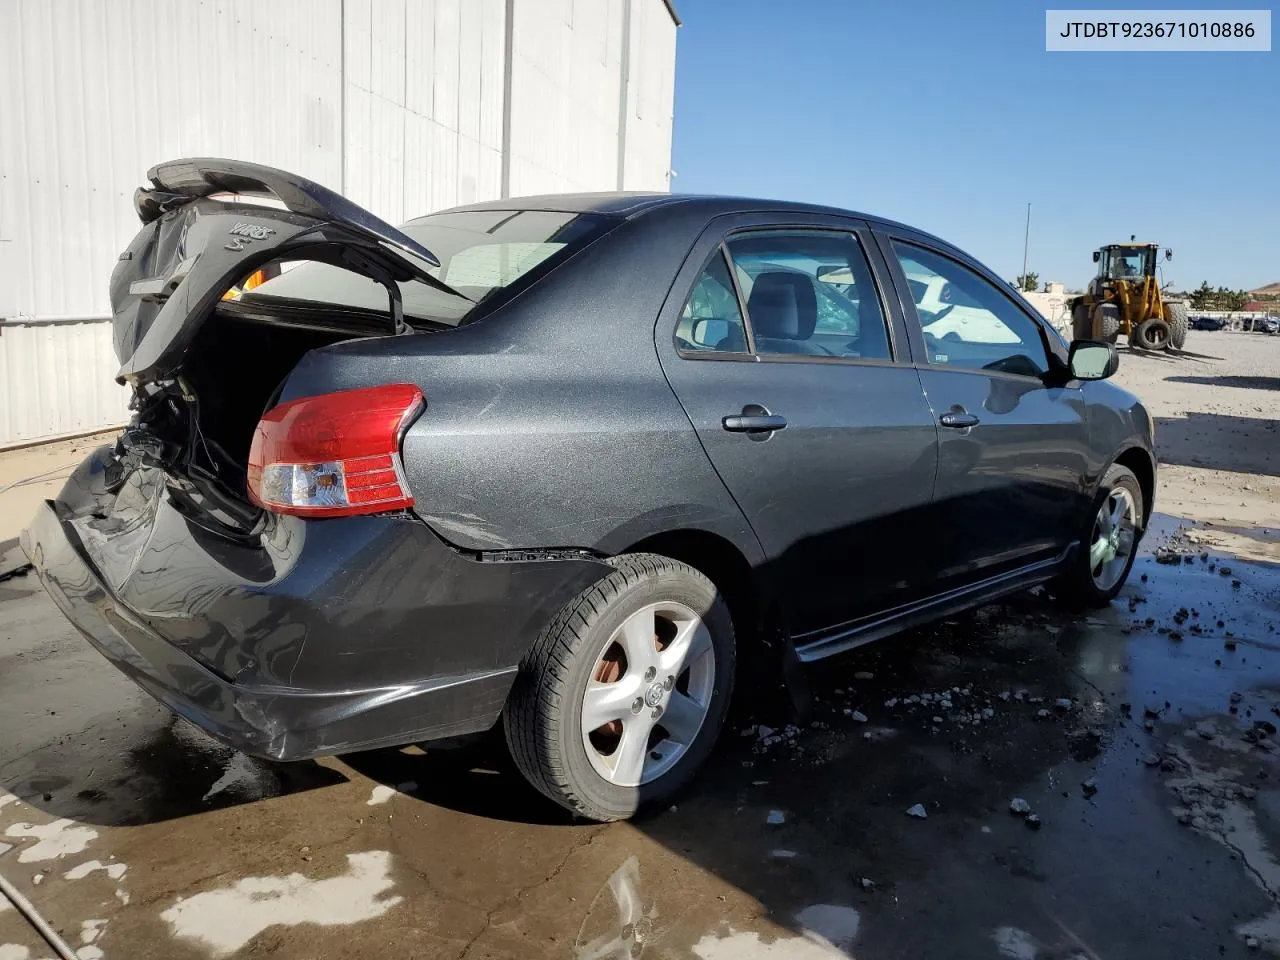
(1051, 302)
(405, 106)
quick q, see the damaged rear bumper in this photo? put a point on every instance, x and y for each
(314, 638)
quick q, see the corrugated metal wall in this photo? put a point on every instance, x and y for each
(398, 103)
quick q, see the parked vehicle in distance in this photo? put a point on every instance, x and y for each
(1267, 324)
(564, 462)
(1208, 323)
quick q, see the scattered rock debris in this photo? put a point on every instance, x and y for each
(917, 811)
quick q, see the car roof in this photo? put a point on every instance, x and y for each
(627, 204)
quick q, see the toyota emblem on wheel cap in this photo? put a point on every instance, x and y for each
(653, 696)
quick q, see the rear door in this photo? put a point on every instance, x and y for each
(777, 342)
(1013, 441)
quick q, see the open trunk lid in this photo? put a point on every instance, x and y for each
(193, 248)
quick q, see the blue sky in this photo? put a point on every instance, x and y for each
(951, 117)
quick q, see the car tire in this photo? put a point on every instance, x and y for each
(1081, 326)
(1108, 322)
(1081, 585)
(1152, 334)
(563, 683)
(1179, 323)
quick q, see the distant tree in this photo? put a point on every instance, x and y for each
(1205, 297)
(1029, 282)
(1202, 296)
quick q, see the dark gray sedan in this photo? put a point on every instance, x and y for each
(564, 462)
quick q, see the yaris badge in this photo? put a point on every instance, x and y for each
(242, 232)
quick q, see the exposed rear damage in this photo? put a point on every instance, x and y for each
(285, 637)
(204, 368)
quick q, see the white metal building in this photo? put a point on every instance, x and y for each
(406, 106)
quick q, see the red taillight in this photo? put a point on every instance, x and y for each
(334, 455)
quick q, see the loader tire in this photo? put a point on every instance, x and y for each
(1107, 322)
(1151, 334)
(1179, 323)
(1081, 328)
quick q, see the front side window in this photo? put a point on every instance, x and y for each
(711, 321)
(967, 321)
(809, 293)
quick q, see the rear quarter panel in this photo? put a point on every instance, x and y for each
(550, 423)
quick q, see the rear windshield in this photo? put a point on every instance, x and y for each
(481, 253)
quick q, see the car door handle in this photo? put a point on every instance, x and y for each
(958, 420)
(754, 423)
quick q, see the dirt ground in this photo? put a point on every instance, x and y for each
(1141, 737)
(1217, 410)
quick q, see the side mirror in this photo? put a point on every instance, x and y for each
(709, 332)
(1093, 359)
(1168, 253)
(1097, 255)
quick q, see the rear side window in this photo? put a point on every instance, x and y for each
(712, 320)
(482, 253)
(810, 293)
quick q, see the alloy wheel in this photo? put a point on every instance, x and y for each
(1114, 534)
(649, 694)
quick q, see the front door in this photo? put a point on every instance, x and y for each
(825, 442)
(1012, 449)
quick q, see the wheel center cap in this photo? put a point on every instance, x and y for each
(653, 696)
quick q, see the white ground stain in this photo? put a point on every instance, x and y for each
(5, 848)
(751, 946)
(1237, 830)
(113, 870)
(90, 953)
(381, 794)
(15, 951)
(1015, 944)
(1264, 929)
(57, 839)
(227, 919)
(830, 924)
(5, 904)
(91, 930)
(122, 895)
(7, 798)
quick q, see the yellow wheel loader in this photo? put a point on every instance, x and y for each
(1125, 298)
